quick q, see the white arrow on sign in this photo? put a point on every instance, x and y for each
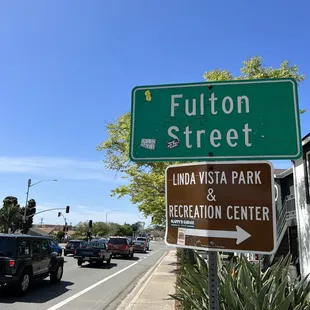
(239, 234)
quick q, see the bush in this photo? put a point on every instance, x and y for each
(241, 286)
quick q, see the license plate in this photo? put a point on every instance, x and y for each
(87, 258)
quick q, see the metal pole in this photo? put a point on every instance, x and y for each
(27, 194)
(212, 281)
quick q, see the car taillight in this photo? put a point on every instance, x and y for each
(100, 253)
(126, 247)
(12, 263)
(74, 252)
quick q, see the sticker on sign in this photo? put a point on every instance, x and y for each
(221, 206)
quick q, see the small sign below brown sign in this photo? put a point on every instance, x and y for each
(221, 206)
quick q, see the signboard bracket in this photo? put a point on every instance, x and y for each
(212, 281)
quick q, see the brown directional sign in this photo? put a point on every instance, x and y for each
(221, 206)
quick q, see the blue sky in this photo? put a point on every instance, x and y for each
(68, 67)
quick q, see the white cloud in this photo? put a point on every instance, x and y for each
(84, 213)
(62, 168)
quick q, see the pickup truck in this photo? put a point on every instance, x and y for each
(95, 252)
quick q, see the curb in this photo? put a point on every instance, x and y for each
(140, 286)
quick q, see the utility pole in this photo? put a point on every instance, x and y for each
(29, 184)
(41, 222)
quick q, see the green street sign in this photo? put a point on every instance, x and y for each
(231, 120)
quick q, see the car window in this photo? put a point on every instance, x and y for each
(75, 243)
(96, 244)
(118, 241)
(23, 247)
(6, 246)
(36, 246)
(52, 243)
(44, 245)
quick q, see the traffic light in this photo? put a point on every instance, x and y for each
(90, 224)
(67, 209)
(59, 214)
(31, 211)
(25, 228)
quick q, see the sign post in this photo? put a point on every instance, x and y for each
(212, 281)
(231, 120)
(221, 206)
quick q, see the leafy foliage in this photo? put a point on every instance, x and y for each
(241, 286)
(253, 69)
(145, 182)
(102, 229)
(10, 216)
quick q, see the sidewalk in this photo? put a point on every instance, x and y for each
(152, 291)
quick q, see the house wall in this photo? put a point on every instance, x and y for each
(302, 200)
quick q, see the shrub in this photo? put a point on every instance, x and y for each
(241, 286)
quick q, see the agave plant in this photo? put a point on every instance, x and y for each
(242, 286)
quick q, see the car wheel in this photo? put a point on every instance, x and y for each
(24, 282)
(57, 274)
(79, 262)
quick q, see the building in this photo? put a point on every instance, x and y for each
(293, 210)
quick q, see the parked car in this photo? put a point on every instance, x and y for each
(139, 246)
(146, 240)
(25, 258)
(121, 246)
(95, 252)
(74, 244)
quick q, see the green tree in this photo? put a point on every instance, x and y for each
(100, 229)
(59, 235)
(136, 227)
(82, 228)
(145, 182)
(10, 216)
(125, 230)
(114, 228)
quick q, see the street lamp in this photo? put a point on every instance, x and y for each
(27, 194)
(106, 214)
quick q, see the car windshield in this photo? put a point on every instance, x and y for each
(6, 246)
(95, 244)
(74, 243)
(118, 241)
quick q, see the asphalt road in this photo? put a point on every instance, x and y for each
(86, 287)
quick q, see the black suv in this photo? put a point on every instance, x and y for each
(24, 258)
(72, 245)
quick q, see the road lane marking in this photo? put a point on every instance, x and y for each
(64, 302)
